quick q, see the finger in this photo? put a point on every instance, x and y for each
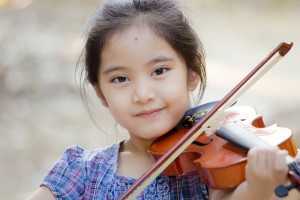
(255, 158)
(268, 159)
(264, 158)
(250, 160)
(261, 159)
(280, 164)
(271, 158)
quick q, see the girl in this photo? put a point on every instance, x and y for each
(143, 60)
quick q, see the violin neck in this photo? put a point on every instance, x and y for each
(240, 135)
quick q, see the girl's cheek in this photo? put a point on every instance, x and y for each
(176, 85)
(117, 102)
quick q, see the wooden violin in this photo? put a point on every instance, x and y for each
(217, 157)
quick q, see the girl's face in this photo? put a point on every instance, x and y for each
(144, 83)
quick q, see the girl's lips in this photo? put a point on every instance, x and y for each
(149, 112)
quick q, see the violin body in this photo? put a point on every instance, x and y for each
(220, 163)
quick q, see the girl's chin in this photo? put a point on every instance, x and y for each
(152, 133)
(151, 136)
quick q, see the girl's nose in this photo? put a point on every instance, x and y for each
(143, 93)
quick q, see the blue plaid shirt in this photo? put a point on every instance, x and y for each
(82, 174)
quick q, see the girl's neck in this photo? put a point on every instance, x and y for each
(134, 158)
(137, 145)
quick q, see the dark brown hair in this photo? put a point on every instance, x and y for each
(162, 16)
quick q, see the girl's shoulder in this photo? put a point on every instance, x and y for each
(81, 157)
(77, 168)
(98, 155)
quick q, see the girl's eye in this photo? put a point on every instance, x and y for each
(119, 79)
(160, 71)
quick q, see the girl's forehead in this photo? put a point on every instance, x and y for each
(136, 36)
(133, 32)
(136, 44)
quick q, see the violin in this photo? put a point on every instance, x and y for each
(189, 140)
(217, 157)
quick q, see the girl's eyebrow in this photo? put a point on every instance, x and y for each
(159, 59)
(113, 68)
(154, 60)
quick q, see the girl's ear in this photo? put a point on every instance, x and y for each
(193, 80)
(100, 95)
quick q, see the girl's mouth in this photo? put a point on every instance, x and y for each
(149, 113)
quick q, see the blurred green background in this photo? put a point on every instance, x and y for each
(41, 112)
